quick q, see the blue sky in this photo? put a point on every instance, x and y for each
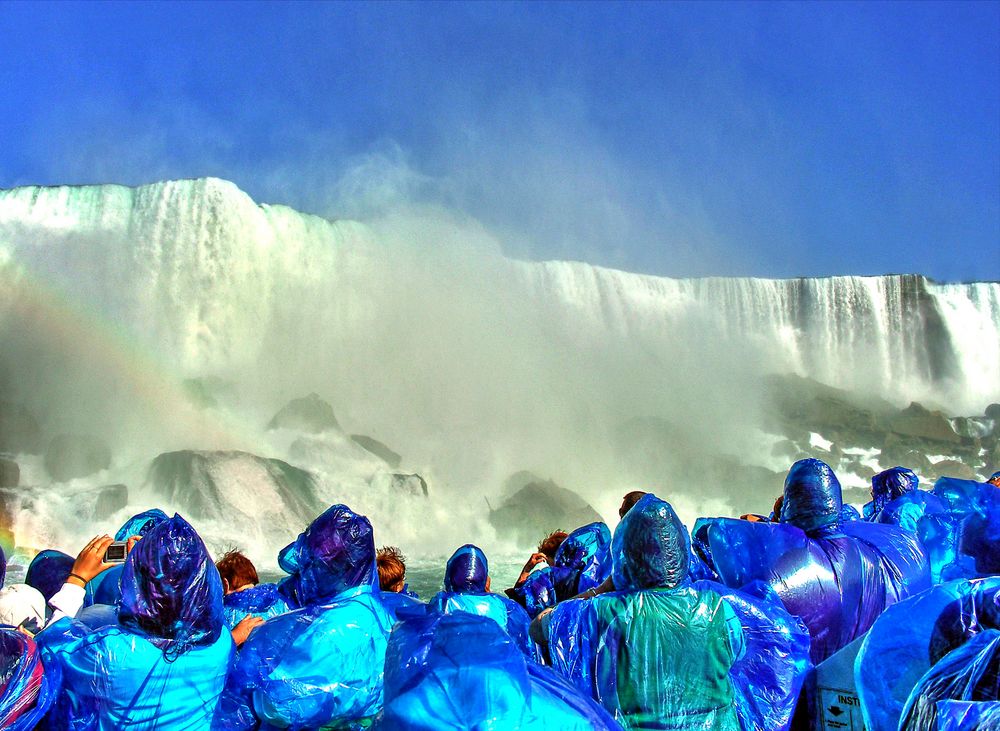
(680, 139)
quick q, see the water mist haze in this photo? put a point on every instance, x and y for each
(421, 331)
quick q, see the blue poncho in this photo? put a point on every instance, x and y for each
(964, 541)
(262, 600)
(48, 571)
(887, 486)
(910, 638)
(465, 591)
(583, 561)
(26, 689)
(657, 653)
(461, 672)
(104, 588)
(838, 577)
(320, 665)
(537, 593)
(163, 664)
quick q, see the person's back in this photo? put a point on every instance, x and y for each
(461, 672)
(163, 664)
(319, 666)
(467, 589)
(26, 690)
(656, 653)
(245, 596)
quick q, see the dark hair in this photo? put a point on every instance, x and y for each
(237, 570)
(550, 544)
(391, 565)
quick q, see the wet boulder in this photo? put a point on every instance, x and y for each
(537, 509)
(69, 456)
(237, 487)
(110, 499)
(378, 449)
(401, 484)
(309, 414)
(19, 430)
(920, 422)
(953, 468)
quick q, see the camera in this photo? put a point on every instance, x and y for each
(116, 552)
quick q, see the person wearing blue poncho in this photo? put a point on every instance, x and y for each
(656, 653)
(245, 596)
(163, 664)
(837, 576)
(461, 672)
(897, 499)
(467, 589)
(26, 689)
(321, 665)
(104, 588)
(47, 571)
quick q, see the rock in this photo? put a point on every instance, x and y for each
(953, 468)
(860, 469)
(993, 412)
(539, 508)
(19, 430)
(235, 486)
(309, 414)
(10, 473)
(992, 458)
(903, 457)
(785, 448)
(110, 499)
(76, 455)
(917, 421)
(199, 393)
(414, 485)
(378, 449)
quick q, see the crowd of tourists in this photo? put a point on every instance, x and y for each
(653, 626)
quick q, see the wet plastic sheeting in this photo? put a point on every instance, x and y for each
(313, 667)
(459, 671)
(262, 601)
(907, 510)
(140, 524)
(887, 486)
(968, 673)
(657, 653)
(913, 635)
(48, 571)
(965, 715)
(537, 593)
(583, 560)
(26, 689)
(320, 665)
(963, 540)
(769, 672)
(163, 664)
(334, 554)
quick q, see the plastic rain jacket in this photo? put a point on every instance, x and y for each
(461, 672)
(163, 664)
(319, 666)
(838, 577)
(262, 600)
(26, 689)
(105, 587)
(964, 541)
(909, 640)
(48, 571)
(465, 591)
(657, 653)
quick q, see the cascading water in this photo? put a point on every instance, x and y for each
(422, 335)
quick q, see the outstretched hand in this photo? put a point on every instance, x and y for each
(246, 625)
(90, 562)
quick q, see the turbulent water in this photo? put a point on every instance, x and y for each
(421, 334)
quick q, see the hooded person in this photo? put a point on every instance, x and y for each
(583, 561)
(163, 664)
(321, 664)
(47, 571)
(837, 576)
(460, 672)
(467, 589)
(897, 499)
(656, 653)
(105, 587)
(26, 688)
(244, 595)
